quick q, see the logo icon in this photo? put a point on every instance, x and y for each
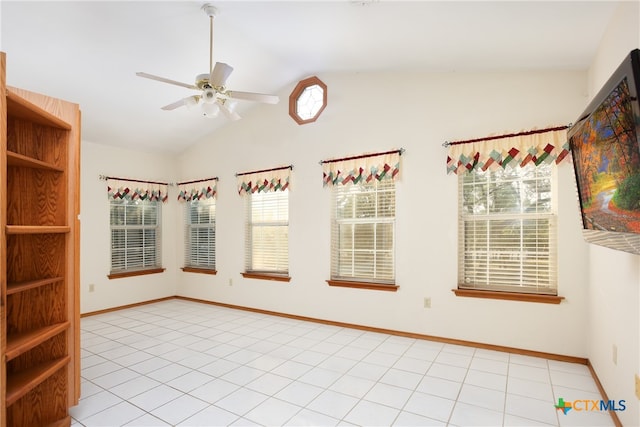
(563, 406)
(590, 405)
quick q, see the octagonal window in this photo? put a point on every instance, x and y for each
(307, 100)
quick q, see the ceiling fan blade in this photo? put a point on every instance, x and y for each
(189, 102)
(164, 80)
(231, 115)
(174, 105)
(252, 96)
(219, 74)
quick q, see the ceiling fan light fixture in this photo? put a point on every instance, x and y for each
(230, 104)
(209, 96)
(210, 110)
(191, 102)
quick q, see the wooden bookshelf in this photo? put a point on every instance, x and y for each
(39, 230)
(23, 108)
(13, 288)
(61, 423)
(22, 342)
(15, 159)
(24, 381)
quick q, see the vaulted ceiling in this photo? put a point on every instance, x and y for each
(89, 51)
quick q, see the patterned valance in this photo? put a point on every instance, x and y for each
(532, 147)
(197, 190)
(361, 169)
(119, 188)
(263, 181)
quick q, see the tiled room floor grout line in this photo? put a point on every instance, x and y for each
(383, 362)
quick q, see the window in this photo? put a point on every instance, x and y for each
(200, 234)
(507, 230)
(307, 100)
(362, 232)
(267, 233)
(135, 235)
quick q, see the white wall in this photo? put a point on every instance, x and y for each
(95, 239)
(370, 112)
(614, 277)
(374, 112)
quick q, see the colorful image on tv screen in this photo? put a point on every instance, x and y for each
(607, 162)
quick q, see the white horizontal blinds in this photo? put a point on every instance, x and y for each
(200, 234)
(135, 234)
(267, 232)
(507, 226)
(200, 222)
(362, 234)
(266, 195)
(363, 216)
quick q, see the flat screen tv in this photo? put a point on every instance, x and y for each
(606, 159)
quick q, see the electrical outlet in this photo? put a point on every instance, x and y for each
(638, 386)
(615, 354)
(427, 302)
(230, 282)
(92, 287)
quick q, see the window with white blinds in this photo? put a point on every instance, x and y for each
(362, 232)
(200, 234)
(507, 227)
(267, 233)
(135, 235)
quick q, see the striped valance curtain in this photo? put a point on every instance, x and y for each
(361, 169)
(197, 190)
(513, 150)
(264, 181)
(125, 189)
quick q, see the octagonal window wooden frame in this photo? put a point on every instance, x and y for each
(295, 95)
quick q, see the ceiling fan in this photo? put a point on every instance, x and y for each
(214, 96)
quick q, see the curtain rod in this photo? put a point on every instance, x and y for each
(510, 135)
(363, 156)
(265, 170)
(105, 177)
(215, 178)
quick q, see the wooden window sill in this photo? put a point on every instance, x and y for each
(363, 285)
(266, 276)
(512, 296)
(199, 270)
(135, 273)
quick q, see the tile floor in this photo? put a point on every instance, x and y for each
(183, 363)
